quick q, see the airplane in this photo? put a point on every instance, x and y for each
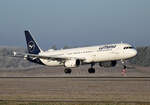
(106, 55)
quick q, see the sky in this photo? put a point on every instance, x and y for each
(75, 22)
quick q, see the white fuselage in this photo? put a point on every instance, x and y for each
(101, 53)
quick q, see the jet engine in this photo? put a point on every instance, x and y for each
(108, 64)
(72, 63)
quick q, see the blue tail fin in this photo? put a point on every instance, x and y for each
(32, 46)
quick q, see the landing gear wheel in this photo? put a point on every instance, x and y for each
(67, 71)
(124, 67)
(91, 70)
(124, 71)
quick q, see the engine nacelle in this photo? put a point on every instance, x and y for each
(72, 63)
(108, 64)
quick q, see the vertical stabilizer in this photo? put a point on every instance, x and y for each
(32, 46)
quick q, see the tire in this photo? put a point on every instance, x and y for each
(91, 70)
(67, 71)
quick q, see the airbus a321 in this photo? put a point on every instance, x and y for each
(105, 55)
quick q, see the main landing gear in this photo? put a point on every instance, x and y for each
(67, 71)
(91, 70)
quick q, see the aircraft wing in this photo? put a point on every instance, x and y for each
(51, 57)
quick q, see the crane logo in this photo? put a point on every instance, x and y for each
(31, 46)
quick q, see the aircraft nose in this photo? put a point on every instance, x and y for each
(134, 52)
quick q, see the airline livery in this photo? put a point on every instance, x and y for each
(105, 55)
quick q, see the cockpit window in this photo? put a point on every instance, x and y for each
(128, 48)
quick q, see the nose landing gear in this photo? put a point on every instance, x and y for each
(124, 70)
